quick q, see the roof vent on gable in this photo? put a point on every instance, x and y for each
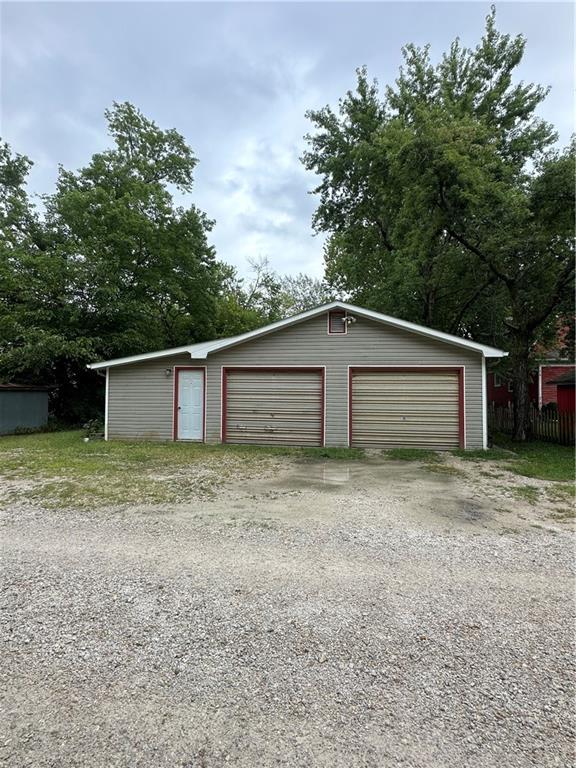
(337, 322)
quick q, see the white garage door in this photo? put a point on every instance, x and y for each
(406, 409)
(274, 406)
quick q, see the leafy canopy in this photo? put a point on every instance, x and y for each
(113, 267)
(452, 143)
(445, 201)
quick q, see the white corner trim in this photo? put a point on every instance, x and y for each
(106, 397)
(464, 406)
(484, 407)
(324, 406)
(540, 387)
(221, 407)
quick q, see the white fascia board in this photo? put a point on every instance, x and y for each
(429, 332)
(200, 351)
(196, 351)
(367, 313)
(266, 329)
(484, 407)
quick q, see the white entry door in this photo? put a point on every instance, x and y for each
(190, 405)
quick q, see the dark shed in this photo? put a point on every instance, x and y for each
(22, 406)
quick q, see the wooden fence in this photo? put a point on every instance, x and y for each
(549, 425)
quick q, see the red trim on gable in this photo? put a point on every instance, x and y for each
(177, 369)
(412, 369)
(342, 313)
(271, 369)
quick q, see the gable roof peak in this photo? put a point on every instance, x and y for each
(203, 349)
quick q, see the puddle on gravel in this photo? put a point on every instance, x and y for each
(352, 475)
(332, 492)
(306, 490)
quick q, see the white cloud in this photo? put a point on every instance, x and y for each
(235, 80)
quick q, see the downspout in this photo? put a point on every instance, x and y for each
(484, 406)
(105, 401)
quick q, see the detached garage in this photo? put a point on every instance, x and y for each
(337, 375)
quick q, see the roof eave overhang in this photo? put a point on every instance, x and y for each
(402, 325)
(201, 351)
(194, 355)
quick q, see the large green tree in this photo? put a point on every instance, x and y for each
(112, 267)
(445, 201)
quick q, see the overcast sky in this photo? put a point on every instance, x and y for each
(236, 79)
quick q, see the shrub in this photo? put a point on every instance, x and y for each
(93, 429)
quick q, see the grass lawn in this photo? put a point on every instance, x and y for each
(412, 454)
(545, 461)
(59, 468)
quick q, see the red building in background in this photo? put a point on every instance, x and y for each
(543, 387)
(499, 389)
(547, 382)
(565, 392)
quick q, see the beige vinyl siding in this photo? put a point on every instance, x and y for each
(393, 409)
(367, 343)
(140, 398)
(279, 407)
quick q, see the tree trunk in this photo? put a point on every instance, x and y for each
(520, 362)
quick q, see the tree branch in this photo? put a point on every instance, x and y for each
(387, 244)
(464, 242)
(473, 248)
(475, 296)
(563, 279)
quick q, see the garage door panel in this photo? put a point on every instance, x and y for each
(405, 409)
(274, 407)
(413, 425)
(263, 405)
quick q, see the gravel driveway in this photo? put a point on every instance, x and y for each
(330, 614)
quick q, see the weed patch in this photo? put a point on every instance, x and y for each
(412, 454)
(492, 454)
(444, 469)
(565, 493)
(527, 493)
(563, 514)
